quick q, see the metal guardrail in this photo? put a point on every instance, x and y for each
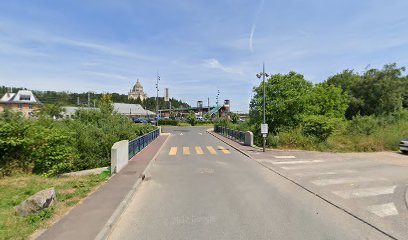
(136, 145)
(231, 133)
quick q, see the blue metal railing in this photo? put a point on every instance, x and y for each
(136, 145)
(231, 133)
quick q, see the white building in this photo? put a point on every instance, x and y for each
(132, 110)
(137, 92)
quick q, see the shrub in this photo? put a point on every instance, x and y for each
(363, 125)
(318, 126)
(168, 122)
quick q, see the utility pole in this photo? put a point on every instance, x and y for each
(208, 109)
(157, 99)
(89, 99)
(218, 111)
(264, 126)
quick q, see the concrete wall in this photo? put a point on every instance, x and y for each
(119, 156)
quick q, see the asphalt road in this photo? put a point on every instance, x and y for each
(199, 188)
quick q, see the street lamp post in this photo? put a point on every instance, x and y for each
(218, 112)
(264, 128)
(157, 99)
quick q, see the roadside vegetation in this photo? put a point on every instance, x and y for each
(349, 111)
(17, 188)
(50, 147)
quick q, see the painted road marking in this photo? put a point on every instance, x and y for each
(297, 162)
(181, 134)
(199, 151)
(200, 134)
(186, 150)
(211, 150)
(309, 174)
(333, 181)
(173, 151)
(383, 210)
(365, 192)
(226, 151)
(284, 157)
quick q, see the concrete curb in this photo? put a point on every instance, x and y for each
(406, 197)
(107, 228)
(211, 132)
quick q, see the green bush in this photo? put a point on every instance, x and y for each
(318, 126)
(366, 125)
(50, 147)
(169, 122)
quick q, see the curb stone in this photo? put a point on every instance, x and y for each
(211, 131)
(108, 227)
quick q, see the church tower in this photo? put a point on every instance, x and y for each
(137, 92)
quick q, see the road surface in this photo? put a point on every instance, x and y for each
(200, 188)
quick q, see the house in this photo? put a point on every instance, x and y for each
(23, 101)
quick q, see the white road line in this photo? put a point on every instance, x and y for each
(383, 210)
(309, 174)
(200, 133)
(365, 192)
(286, 157)
(181, 134)
(333, 181)
(297, 162)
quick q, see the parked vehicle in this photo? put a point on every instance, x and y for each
(139, 120)
(404, 145)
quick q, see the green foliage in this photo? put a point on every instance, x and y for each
(318, 126)
(366, 125)
(285, 101)
(327, 100)
(375, 92)
(52, 110)
(168, 122)
(49, 147)
(191, 118)
(234, 118)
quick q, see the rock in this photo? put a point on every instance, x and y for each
(37, 202)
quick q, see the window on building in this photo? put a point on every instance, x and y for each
(24, 97)
(20, 105)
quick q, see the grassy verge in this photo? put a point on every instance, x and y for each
(15, 189)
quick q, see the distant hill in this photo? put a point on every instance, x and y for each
(81, 99)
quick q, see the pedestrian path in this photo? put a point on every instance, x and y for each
(343, 180)
(198, 150)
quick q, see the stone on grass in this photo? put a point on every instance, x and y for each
(37, 202)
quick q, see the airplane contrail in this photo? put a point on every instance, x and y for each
(251, 35)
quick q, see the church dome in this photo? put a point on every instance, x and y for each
(137, 86)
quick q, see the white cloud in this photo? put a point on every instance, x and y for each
(214, 63)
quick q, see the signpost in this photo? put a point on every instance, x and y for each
(264, 132)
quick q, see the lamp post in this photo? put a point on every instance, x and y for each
(218, 112)
(157, 99)
(264, 126)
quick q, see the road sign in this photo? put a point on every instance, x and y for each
(264, 135)
(264, 128)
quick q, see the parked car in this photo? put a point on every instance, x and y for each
(404, 145)
(139, 120)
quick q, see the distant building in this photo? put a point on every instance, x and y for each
(132, 110)
(137, 92)
(69, 112)
(23, 101)
(200, 110)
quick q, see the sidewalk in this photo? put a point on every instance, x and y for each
(88, 219)
(246, 150)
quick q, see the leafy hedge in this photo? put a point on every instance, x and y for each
(49, 147)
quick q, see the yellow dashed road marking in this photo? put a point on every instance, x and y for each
(186, 150)
(211, 150)
(224, 150)
(199, 151)
(173, 151)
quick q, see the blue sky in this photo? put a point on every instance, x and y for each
(197, 46)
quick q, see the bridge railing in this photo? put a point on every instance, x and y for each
(136, 145)
(242, 137)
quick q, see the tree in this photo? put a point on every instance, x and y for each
(327, 100)
(52, 110)
(234, 118)
(191, 118)
(285, 101)
(106, 103)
